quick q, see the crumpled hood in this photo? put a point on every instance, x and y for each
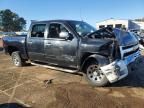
(123, 38)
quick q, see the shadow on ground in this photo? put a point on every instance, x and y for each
(11, 105)
(1, 49)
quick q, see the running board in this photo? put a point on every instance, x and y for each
(55, 68)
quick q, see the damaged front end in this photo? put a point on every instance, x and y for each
(123, 51)
(115, 70)
(118, 69)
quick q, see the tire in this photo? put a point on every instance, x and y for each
(94, 75)
(17, 60)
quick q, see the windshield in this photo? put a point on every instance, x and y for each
(82, 28)
(126, 38)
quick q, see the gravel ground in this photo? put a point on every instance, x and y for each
(25, 87)
(0, 43)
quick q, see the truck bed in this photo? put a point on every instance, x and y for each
(16, 42)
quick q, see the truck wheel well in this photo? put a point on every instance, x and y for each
(88, 61)
(101, 60)
(86, 55)
(12, 49)
(84, 60)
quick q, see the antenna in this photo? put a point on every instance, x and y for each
(81, 14)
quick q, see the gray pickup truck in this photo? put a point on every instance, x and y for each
(75, 46)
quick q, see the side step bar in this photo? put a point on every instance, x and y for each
(55, 68)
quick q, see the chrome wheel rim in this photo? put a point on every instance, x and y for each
(95, 74)
(15, 60)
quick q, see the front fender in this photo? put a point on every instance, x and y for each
(102, 60)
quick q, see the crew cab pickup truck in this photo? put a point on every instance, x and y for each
(75, 46)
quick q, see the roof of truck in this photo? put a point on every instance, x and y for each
(59, 20)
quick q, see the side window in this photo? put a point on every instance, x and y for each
(55, 30)
(38, 30)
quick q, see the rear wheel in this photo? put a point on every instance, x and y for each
(94, 75)
(17, 60)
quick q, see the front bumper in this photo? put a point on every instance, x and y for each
(118, 69)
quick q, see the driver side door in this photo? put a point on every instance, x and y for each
(61, 51)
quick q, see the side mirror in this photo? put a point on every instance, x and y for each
(64, 35)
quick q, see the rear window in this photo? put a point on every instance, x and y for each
(38, 30)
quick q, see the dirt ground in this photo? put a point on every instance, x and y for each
(24, 87)
(0, 43)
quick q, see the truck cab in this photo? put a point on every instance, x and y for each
(53, 42)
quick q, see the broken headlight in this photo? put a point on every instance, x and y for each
(117, 69)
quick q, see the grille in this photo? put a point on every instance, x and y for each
(131, 52)
(128, 46)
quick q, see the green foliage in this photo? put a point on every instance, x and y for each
(11, 21)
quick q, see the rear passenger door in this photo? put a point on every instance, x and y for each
(35, 42)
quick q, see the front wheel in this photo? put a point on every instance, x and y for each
(17, 60)
(94, 75)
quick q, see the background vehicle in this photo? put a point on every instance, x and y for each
(140, 38)
(74, 46)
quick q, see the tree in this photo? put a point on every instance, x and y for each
(11, 21)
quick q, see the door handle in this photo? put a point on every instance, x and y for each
(30, 42)
(48, 44)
